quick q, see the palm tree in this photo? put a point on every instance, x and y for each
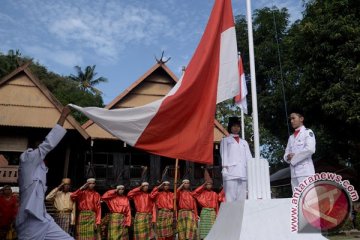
(86, 81)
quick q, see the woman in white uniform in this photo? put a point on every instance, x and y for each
(235, 153)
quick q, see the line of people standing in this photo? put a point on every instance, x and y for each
(33, 221)
(155, 215)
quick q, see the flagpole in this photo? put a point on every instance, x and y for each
(175, 186)
(242, 124)
(253, 81)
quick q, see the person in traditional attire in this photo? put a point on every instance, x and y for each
(209, 202)
(88, 204)
(32, 221)
(144, 216)
(222, 196)
(120, 213)
(164, 201)
(235, 153)
(65, 207)
(8, 211)
(299, 149)
(187, 214)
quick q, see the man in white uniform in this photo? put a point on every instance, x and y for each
(299, 149)
(32, 221)
(235, 153)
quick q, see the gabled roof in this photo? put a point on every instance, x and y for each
(156, 94)
(151, 86)
(26, 102)
(142, 79)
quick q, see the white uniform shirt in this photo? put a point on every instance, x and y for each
(303, 146)
(234, 158)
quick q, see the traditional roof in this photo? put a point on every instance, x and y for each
(26, 102)
(151, 86)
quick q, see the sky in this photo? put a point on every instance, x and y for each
(121, 37)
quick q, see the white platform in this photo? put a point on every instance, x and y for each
(264, 219)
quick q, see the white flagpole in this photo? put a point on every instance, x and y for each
(253, 81)
(242, 124)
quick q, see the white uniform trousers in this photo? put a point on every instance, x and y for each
(296, 181)
(235, 189)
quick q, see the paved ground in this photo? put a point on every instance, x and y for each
(344, 238)
(352, 235)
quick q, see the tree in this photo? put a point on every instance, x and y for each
(270, 28)
(320, 71)
(325, 45)
(86, 81)
(10, 62)
(67, 91)
(63, 88)
(269, 85)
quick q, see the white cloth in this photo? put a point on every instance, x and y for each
(303, 146)
(32, 217)
(234, 158)
(235, 190)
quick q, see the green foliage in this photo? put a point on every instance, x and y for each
(62, 87)
(319, 56)
(85, 79)
(270, 26)
(9, 62)
(272, 119)
(320, 71)
(326, 46)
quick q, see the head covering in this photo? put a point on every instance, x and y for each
(186, 181)
(120, 187)
(232, 121)
(166, 182)
(91, 180)
(66, 181)
(144, 184)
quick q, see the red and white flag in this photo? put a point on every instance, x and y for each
(240, 99)
(181, 125)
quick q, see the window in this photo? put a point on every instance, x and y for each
(102, 167)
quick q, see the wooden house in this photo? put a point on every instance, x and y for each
(28, 111)
(113, 162)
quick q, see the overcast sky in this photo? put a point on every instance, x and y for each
(120, 37)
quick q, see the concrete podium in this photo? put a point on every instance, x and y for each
(265, 219)
(259, 217)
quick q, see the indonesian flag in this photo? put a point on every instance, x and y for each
(240, 99)
(180, 125)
